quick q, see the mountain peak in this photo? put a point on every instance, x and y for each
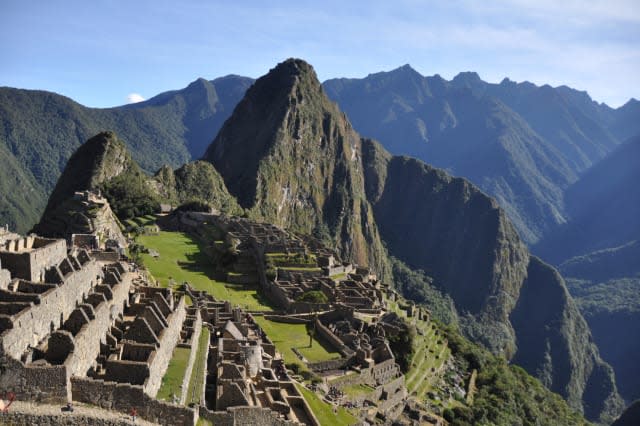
(198, 82)
(290, 157)
(99, 159)
(293, 66)
(266, 110)
(287, 73)
(406, 70)
(468, 79)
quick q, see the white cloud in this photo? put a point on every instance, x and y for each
(133, 98)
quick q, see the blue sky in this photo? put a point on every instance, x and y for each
(100, 52)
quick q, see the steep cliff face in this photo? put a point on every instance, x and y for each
(510, 301)
(555, 344)
(447, 227)
(291, 157)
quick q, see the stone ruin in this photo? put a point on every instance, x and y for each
(85, 221)
(77, 328)
(256, 243)
(53, 312)
(244, 371)
(140, 343)
(349, 289)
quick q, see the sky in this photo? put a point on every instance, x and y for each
(106, 53)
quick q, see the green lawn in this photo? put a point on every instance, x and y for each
(300, 269)
(182, 259)
(324, 412)
(197, 373)
(357, 390)
(172, 379)
(289, 336)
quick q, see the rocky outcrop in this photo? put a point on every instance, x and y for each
(197, 180)
(292, 158)
(555, 344)
(98, 160)
(449, 228)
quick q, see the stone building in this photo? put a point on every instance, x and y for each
(245, 378)
(140, 342)
(54, 313)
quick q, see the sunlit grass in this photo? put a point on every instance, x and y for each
(182, 259)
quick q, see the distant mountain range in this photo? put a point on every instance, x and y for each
(40, 130)
(598, 250)
(520, 143)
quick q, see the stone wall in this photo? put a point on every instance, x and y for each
(168, 341)
(323, 331)
(195, 337)
(123, 371)
(34, 324)
(36, 383)
(275, 294)
(334, 364)
(87, 341)
(123, 397)
(5, 278)
(305, 307)
(234, 416)
(287, 319)
(29, 257)
(105, 256)
(384, 371)
(63, 419)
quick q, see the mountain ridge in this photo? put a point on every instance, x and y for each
(41, 130)
(288, 129)
(549, 136)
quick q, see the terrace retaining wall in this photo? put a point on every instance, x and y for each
(123, 397)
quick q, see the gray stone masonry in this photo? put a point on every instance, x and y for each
(33, 324)
(169, 338)
(123, 397)
(87, 341)
(29, 414)
(195, 336)
(29, 257)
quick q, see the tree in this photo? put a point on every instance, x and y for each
(312, 296)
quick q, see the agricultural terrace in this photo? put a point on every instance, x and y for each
(182, 258)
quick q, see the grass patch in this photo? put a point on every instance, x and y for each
(172, 379)
(289, 336)
(357, 390)
(324, 412)
(301, 269)
(197, 373)
(182, 258)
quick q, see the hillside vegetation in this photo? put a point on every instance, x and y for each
(40, 130)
